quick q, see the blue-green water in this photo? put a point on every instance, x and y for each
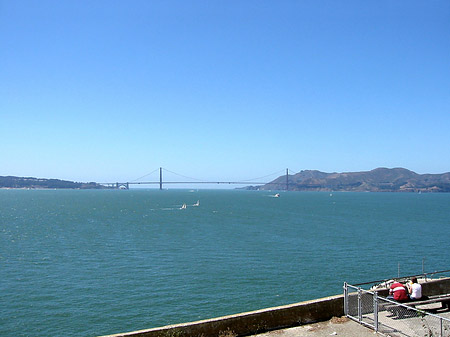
(87, 263)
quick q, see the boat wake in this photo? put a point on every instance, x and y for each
(180, 207)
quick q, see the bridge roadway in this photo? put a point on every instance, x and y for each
(126, 185)
(198, 182)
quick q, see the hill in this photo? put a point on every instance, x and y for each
(377, 180)
(22, 182)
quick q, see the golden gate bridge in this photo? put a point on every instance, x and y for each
(126, 185)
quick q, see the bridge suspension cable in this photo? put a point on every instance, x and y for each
(268, 175)
(292, 172)
(145, 175)
(182, 175)
(243, 180)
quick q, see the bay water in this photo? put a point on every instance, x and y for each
(89, 263)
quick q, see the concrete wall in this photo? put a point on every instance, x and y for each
(253, 322)
(430, 288)
(436, 287)
(250, 323)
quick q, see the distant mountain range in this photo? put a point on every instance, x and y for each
(377, 180)
(21, 182)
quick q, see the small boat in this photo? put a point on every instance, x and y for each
(197, 203)
(277, 195)
(184, 206)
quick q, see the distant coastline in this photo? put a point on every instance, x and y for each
(11, 182)
(377, 180)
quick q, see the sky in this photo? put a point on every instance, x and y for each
(222, 90)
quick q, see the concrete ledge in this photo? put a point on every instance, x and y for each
(252, 322)
(429, 288)
(436, 287)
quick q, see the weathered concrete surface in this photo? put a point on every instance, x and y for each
(341, 326)
(250, 323)
(436, 287)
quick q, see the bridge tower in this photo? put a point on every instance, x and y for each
(160, 178)
(287, 179)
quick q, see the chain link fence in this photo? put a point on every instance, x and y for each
(390, 317)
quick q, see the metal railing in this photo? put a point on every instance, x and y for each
(424, 277)
(390, 317)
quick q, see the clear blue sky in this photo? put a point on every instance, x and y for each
(112, 90)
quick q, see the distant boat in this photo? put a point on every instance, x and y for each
(184, 206)
(197, 203)
(277, 195)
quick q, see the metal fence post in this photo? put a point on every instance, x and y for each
(359, 305)
(345, 299)
(442, 332)
(375, 310)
